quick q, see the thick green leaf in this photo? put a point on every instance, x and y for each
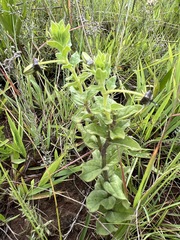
(96, 129)
(99, 183)
(75, 59)
(100, 76)
(94, 199)
(103, 228)
(114, 187)
(140, 154)
(111, 83)
(112, 157)
(119, 217)
(55, 44)
(81, 116)
(78, 98)
(108, 203)
(128, 142)
(91, 141)
(103, 61)
(92, 90)
(117, 132)
(126, 111)
(62, 56)
(50, 171)
(60, 33)
(91, 170)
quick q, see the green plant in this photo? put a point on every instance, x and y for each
(11, 19)
(103, 124)
(38, 228)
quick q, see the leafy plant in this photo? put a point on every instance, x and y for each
(103, 124)
(38, 228)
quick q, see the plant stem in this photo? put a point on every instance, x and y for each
(103, 154)
(122, 173)
(76, 78)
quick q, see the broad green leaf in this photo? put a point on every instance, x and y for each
(103, 228)
(90, 141)
(96, 129)
(63, 57)
(100, 76)
(101, 111)
(91, 170)
(50, 171)
(60, 33)
(118, 217)
(111, 83)
(117, 132)
(99, 183)
(109, 202)
(112, 157)
(114, 187)
(81, 116)
(100, 60)
(116, 107)
(126, 111)
(140, 154)
(75, 59)
(94, 199)
(128, 143)
(103, 61)
(55, 44)
(78, 98)
(99, 104)
(92, 90)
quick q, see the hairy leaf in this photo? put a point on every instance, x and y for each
(94, 199)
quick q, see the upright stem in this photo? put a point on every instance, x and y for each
(76, 79)
(103, 154)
